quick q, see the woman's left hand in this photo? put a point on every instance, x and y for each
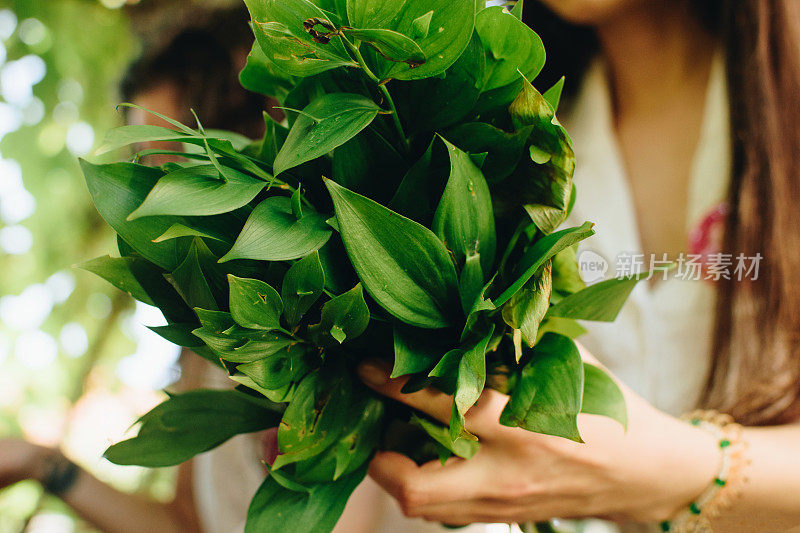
(644, 474)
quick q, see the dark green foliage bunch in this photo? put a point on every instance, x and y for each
(407, 209)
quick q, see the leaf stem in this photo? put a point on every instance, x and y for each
(382, 86)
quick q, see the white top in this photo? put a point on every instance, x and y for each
(659, 345)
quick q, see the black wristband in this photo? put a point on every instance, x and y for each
(61, 476)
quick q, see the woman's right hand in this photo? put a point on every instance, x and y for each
(20, 460)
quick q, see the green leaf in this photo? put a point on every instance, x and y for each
(563, 326)
(446, 371)
(470, 285)
(547, 397)
(279, 30)
(566, 274)
(504, 149)
(329, 121)
(118, 271)
(189, 278)
(450, 27)
(414, 351)
(353, 448)
(526, 309)
(420, 185)
(464, 220)
(602, 396)
(315, 418)
(178, 230)
(471, 380)
(314, 512)
(117, 190)
(199, 191)
(359, 160)
(541, 252)
(254, 304)
(512, 47)
(134, 134)
(547, 179)
(462, 448)
(553, 94)
(273, 233)
(402, 264)
(439, 102)
(302, 286)
(600, 302)
(180, 334)
(343, 317)
(261, 76)
(275, 371)
(390, 45)
(191, 423)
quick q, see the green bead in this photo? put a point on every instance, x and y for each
(695, 421)
(720, 482)
(694, 508)
(665, 526)
(724, 443)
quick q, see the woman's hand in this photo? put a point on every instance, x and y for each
(645, 474)
(19, 460)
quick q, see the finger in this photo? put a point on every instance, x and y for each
(432, 483)
(482, 419)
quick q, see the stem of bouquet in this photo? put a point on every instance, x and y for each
(382, 86)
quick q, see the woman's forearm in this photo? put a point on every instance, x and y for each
(770, 498)
(113, 511)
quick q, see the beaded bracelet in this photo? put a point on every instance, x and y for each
(727, 484)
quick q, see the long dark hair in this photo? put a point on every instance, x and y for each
(755, 359)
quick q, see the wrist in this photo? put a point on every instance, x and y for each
(692, 461)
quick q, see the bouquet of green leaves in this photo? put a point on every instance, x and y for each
(407, 208)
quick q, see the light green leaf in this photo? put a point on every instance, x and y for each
(278, 26)
(470, 383)
(276, 371)
(414, 351)
(512, 47)
(199, 191)
(302, 286)
(462, 447)
(133, 134)
(314, 512)
(526, 309)
(189, 278)
(541, 252)
(390, 45)
(547, 397)
(449, 25)
(600, 302)
(329, 121)
(191, 423)
(402, 264)
(273, 233)
(254, 304)
(315, 418)
(118, 271)
(602, 396)
(464, 220)
(344, 317)
(504, 149)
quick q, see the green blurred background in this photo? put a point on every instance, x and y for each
(76, 363)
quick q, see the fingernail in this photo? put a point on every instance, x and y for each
(372, 374)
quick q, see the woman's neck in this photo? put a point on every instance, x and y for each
(655, 53)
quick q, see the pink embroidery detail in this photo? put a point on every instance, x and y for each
(705, 238)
